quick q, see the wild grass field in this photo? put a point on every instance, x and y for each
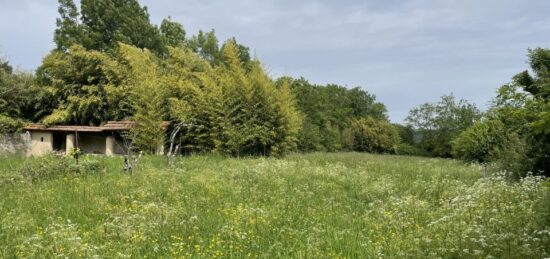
(316, 205)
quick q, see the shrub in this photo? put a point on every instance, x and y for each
(371, 135)
(511, 155)
(50, 167)
(476, 142)
(10, 125)
(406, 133)
(410, 150)
(489, 141)
(309, 137)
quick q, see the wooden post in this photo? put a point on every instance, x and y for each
(77, 154)
(485, 174)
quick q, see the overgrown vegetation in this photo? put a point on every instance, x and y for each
(329, 111)
(515, 132)
(316, 205)
(512, 134)
(111, 63)
(371, 135)
(437, 124)
(17, 98)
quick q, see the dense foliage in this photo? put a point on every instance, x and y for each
(111, 63)
(76, 83)
(437, 124)
(371, 135)
(101, 24)
(513, 134)
(229, 108)
(516, 132)
(328, 111)
(18, 98)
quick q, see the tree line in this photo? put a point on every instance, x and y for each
(111, 63)
(513, 134)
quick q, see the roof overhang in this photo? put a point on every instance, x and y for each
(107, 127)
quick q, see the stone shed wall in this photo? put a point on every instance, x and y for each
(18, 143)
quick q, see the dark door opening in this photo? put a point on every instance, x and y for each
(59, 141)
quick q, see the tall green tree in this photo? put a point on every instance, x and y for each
(172, 32)
(229, 109)
(148, 97)
(75, 82)
(101, 24)
(197, 103)
(364, 104)
(439, 123)
(523, 107)
(68, 30)
(328, 111)
(18, 97)
(108, 22)
(371, 135)
(207, 45)
(244, 53)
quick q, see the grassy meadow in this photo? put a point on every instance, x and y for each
(315, 205)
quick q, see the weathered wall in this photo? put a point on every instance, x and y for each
(41, 143)
(119, 147)
(91, 143)
(37, 143)
(15, 143)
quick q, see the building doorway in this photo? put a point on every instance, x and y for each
(59, 141)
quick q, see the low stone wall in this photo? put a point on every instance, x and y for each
(18, 143)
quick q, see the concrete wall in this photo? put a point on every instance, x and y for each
(91, 143)
(18, 143)
(41, 143)
(119, 147)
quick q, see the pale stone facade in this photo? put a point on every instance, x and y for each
(41, 143)
(16, 143)
(104, 139)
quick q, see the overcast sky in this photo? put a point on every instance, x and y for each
(404, 52)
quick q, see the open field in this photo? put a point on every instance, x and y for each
(317, 205)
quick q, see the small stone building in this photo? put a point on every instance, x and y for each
(104, 139)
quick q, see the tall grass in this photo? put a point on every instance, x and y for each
(316, 205)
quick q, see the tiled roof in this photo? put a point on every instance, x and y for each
(118, 125)
(109, 126)
(42, 127)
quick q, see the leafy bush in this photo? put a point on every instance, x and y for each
(50, 167)
(512, 156)
(309, 137)
(410, 150)
(437, 124)
(10, 125)
(406, 133)
(371, 135)
(490, 141)
(476, 142)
